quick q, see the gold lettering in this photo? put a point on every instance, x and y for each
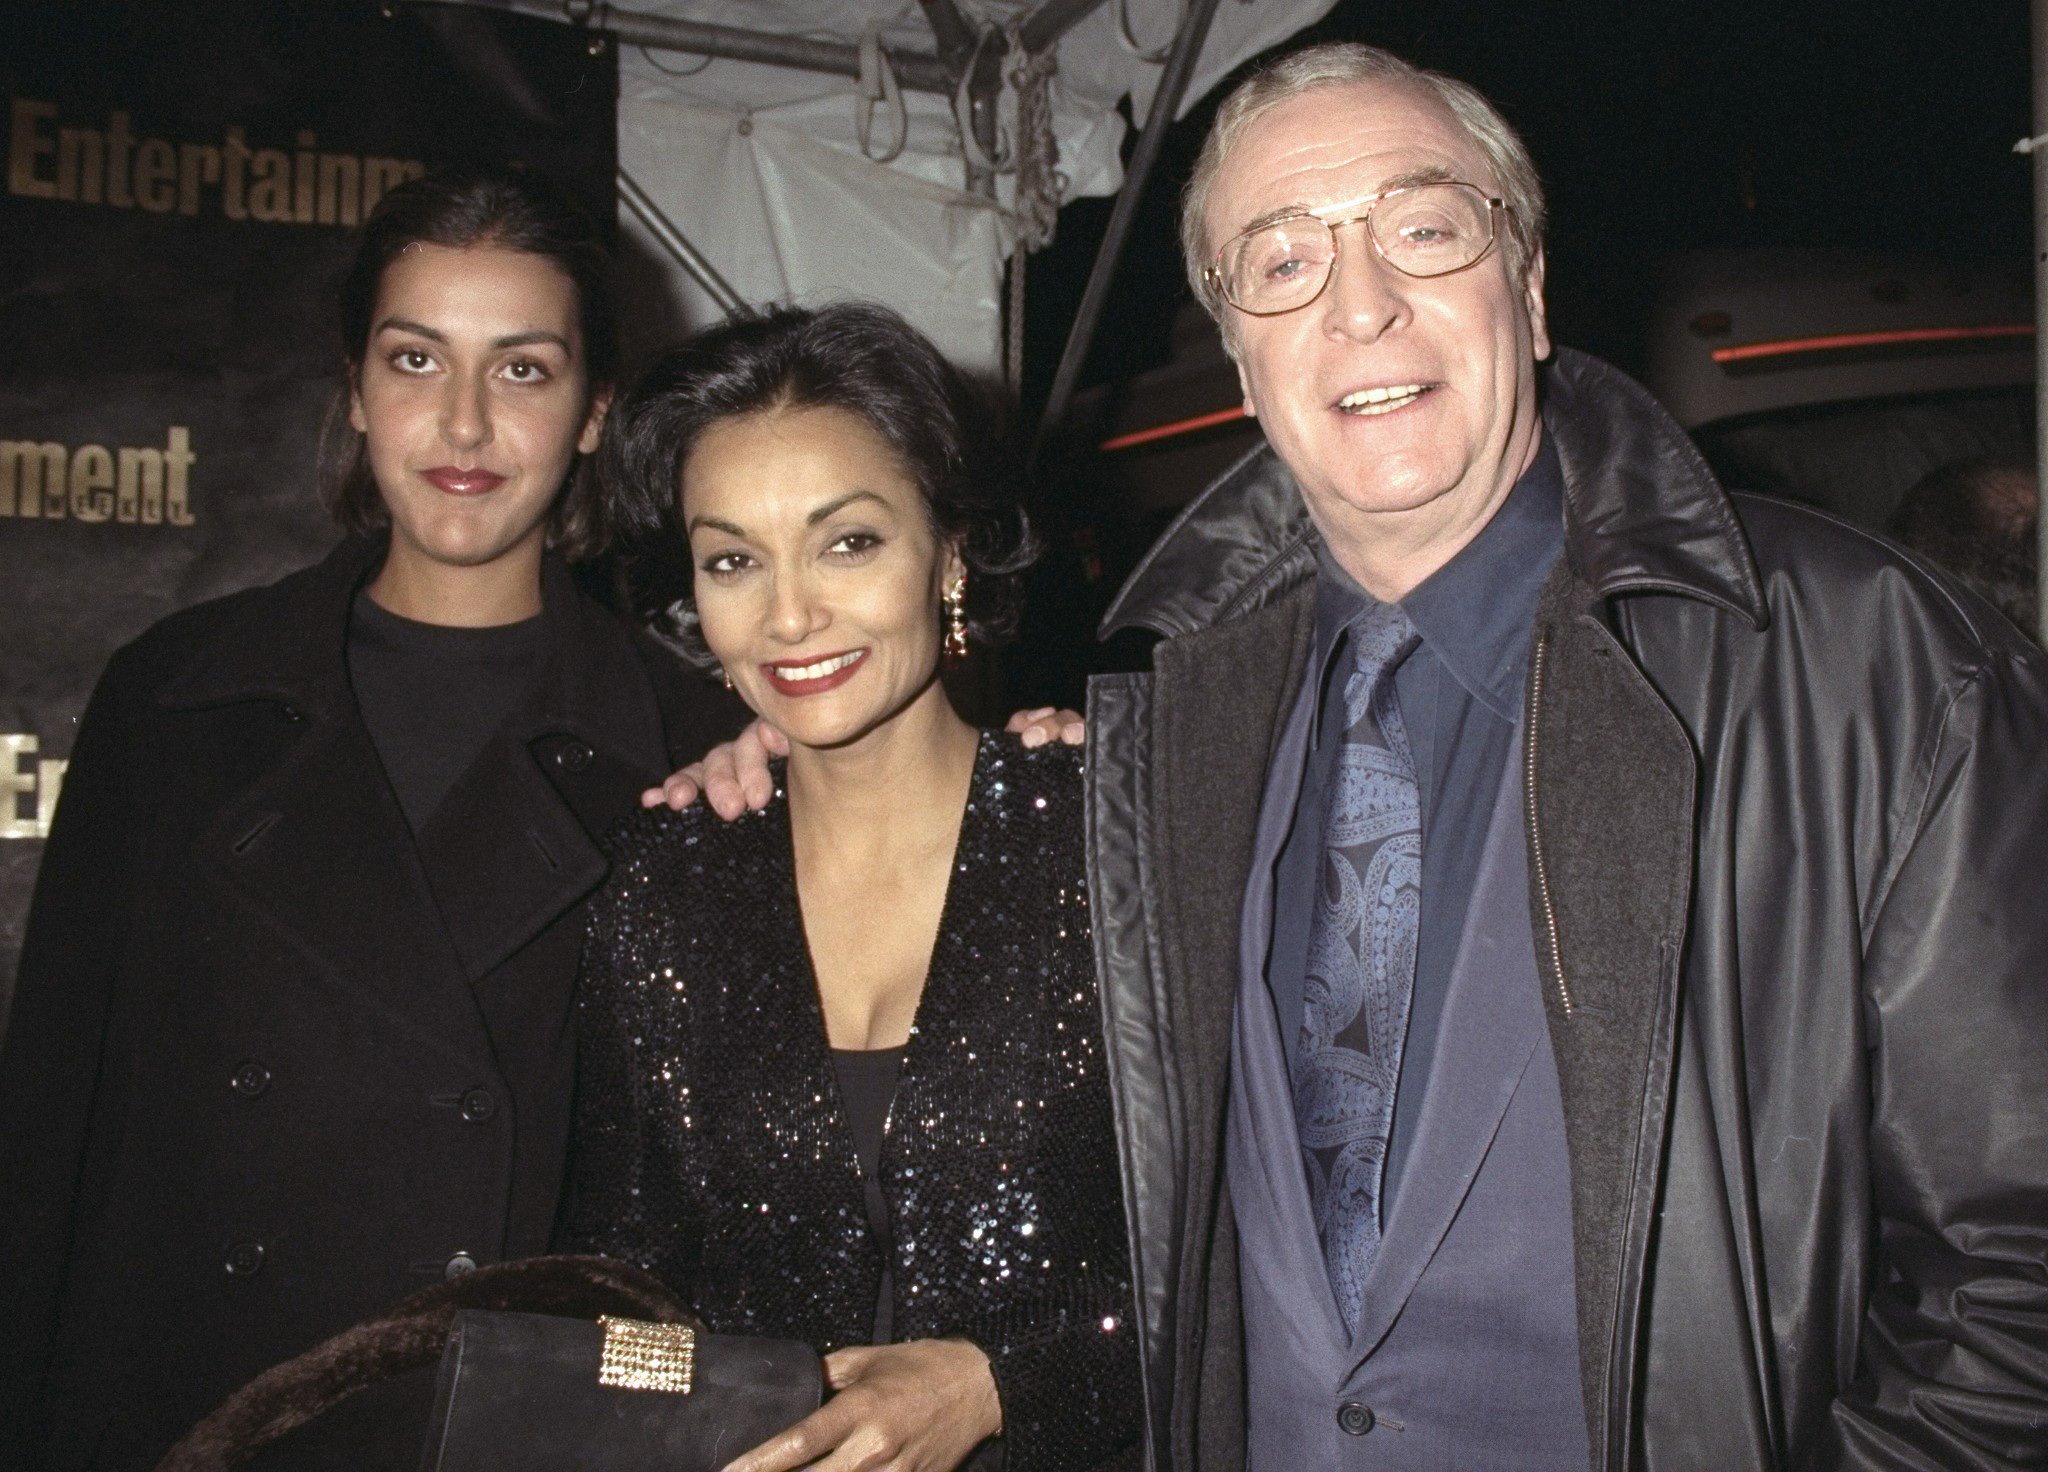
(49, 787)
(114, 166)
(340, 183)
(178, 458)
(119, 142)
(156, 167)
(92, 479)
(303, 173)
(235, 157)
(25, 143)
(381, 174)
(81, 164)
(16, 784)
(140, 495)
(197, 163)
(30, 472)
(270, 196)
(129, 483)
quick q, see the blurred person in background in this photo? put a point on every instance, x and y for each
(1979, 520)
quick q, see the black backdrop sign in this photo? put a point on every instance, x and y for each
(180, 185)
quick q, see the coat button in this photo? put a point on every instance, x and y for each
(478, 1106)
(244, 1260)
(251, 1080)
(574, 756)
(1354, 1419)
(289, 714)
(460, 1265)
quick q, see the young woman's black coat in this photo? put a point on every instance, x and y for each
(273, 1064)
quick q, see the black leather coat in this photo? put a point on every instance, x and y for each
(271, 1064)
(1788, 857)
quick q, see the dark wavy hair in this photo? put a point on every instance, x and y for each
(513, 209)
(854, 356)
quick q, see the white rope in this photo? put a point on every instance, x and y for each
(1040, 185)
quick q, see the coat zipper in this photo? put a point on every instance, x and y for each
(1564, 990)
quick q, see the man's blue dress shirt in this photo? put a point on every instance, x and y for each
(1460, 693)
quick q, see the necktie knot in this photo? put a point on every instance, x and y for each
(1381, 638)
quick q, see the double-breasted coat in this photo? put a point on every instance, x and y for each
(273, 1061)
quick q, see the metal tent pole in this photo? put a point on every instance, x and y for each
(677, 244)
(2039, 160)
(918, 70)
(1173, 82)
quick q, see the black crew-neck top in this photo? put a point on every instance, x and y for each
(433, 695)
(867, 1089)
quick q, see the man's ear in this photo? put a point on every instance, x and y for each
(1532, 293)
(593, 423)
(1244, 384)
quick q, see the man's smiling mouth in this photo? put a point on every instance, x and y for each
(1383, 400)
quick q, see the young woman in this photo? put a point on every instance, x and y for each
(292, 1032)
(842, 1074)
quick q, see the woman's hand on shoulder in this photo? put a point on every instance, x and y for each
(923, 1406)
(1037, 727)
(733, 776)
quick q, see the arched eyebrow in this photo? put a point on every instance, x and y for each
(832, 508)
(829, 509)
(510, 340)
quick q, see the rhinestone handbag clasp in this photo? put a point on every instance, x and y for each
(639, 1355)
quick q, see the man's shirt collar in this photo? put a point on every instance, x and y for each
(1474, 612)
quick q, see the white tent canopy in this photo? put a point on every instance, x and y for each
(801, 185)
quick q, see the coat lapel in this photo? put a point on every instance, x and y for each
(319, 847)
(316, 842)
(515, 842)
(1209, 761)
(1611, 796)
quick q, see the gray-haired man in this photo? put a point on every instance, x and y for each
(1572, 942)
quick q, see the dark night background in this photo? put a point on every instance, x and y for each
(1657, 127)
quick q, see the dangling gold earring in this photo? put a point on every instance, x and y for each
(956, 620)
(725, 675)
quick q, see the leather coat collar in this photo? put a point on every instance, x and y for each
(1642, 513)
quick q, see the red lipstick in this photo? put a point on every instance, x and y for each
(457, 481)
(784, 677)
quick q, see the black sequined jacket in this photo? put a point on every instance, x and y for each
(710, 1146)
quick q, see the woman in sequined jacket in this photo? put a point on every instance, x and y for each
(840, 1072)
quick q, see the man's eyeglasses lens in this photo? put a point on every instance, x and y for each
(1427, 230)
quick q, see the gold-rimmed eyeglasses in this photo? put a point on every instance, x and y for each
(1420, 230)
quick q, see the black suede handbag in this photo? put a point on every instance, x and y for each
(536, 1393)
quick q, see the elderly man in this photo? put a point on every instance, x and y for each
(1573, 943)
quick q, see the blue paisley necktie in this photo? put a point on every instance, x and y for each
(1361, 961)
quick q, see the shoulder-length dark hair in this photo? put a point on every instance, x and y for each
(855, 356)
(513, 209)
